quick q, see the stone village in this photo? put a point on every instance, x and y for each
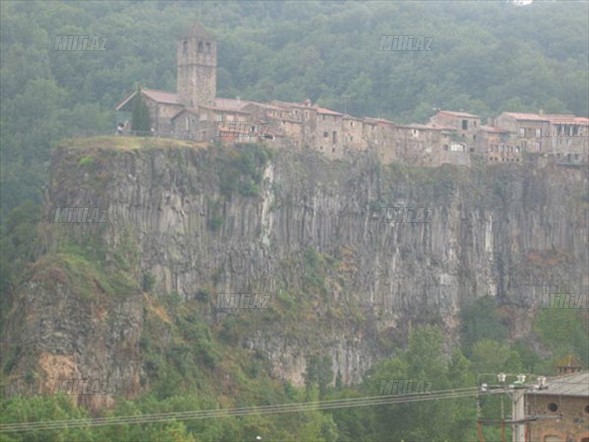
(195, 113)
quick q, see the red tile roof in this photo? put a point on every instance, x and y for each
(560, 118)
(384, 121)
(288, 105)
(226, 109)
(426, 127)
(267, 106)
(187, 109)
(526, 117)
(323, 110)
(161, 96)
(231, 103)
(153, 94)
(552, 118)
(459, 114)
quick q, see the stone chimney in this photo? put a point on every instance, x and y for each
(569, 364)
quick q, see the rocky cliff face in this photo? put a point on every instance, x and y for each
(194, 222)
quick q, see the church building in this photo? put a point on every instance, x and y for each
(194, 111)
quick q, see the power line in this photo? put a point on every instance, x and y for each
(244, 411)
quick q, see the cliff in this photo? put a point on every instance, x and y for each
(188, 222)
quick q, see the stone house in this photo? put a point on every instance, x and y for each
(528, 129)
(328, 132)
(195, 112)
(385, 140)
(466, 125)
(566, 137)
(430, 146)
(561, 409)
(162, 107)
(352, 134)
(496, 145)
(306, 115)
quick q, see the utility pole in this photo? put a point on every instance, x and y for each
(518, 414)
(516, 391)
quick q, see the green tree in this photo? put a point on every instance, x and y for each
(480, 320)
(141, 120)
(490, 356)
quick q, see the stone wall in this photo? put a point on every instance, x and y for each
(574, 424)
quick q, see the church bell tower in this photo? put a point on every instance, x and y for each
(197, 68)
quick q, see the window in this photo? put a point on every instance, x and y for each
(200, 47)
(187, 121)
(522, 131)
(334, 137)
(208, 48)
(325, 134)
(538, 133)
(552, 407)
(185, 47)
(464, 124)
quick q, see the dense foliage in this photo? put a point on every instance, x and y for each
(190, 364)
(140, 119)
(486, 57)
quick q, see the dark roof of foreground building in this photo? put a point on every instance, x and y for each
(574, 384)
